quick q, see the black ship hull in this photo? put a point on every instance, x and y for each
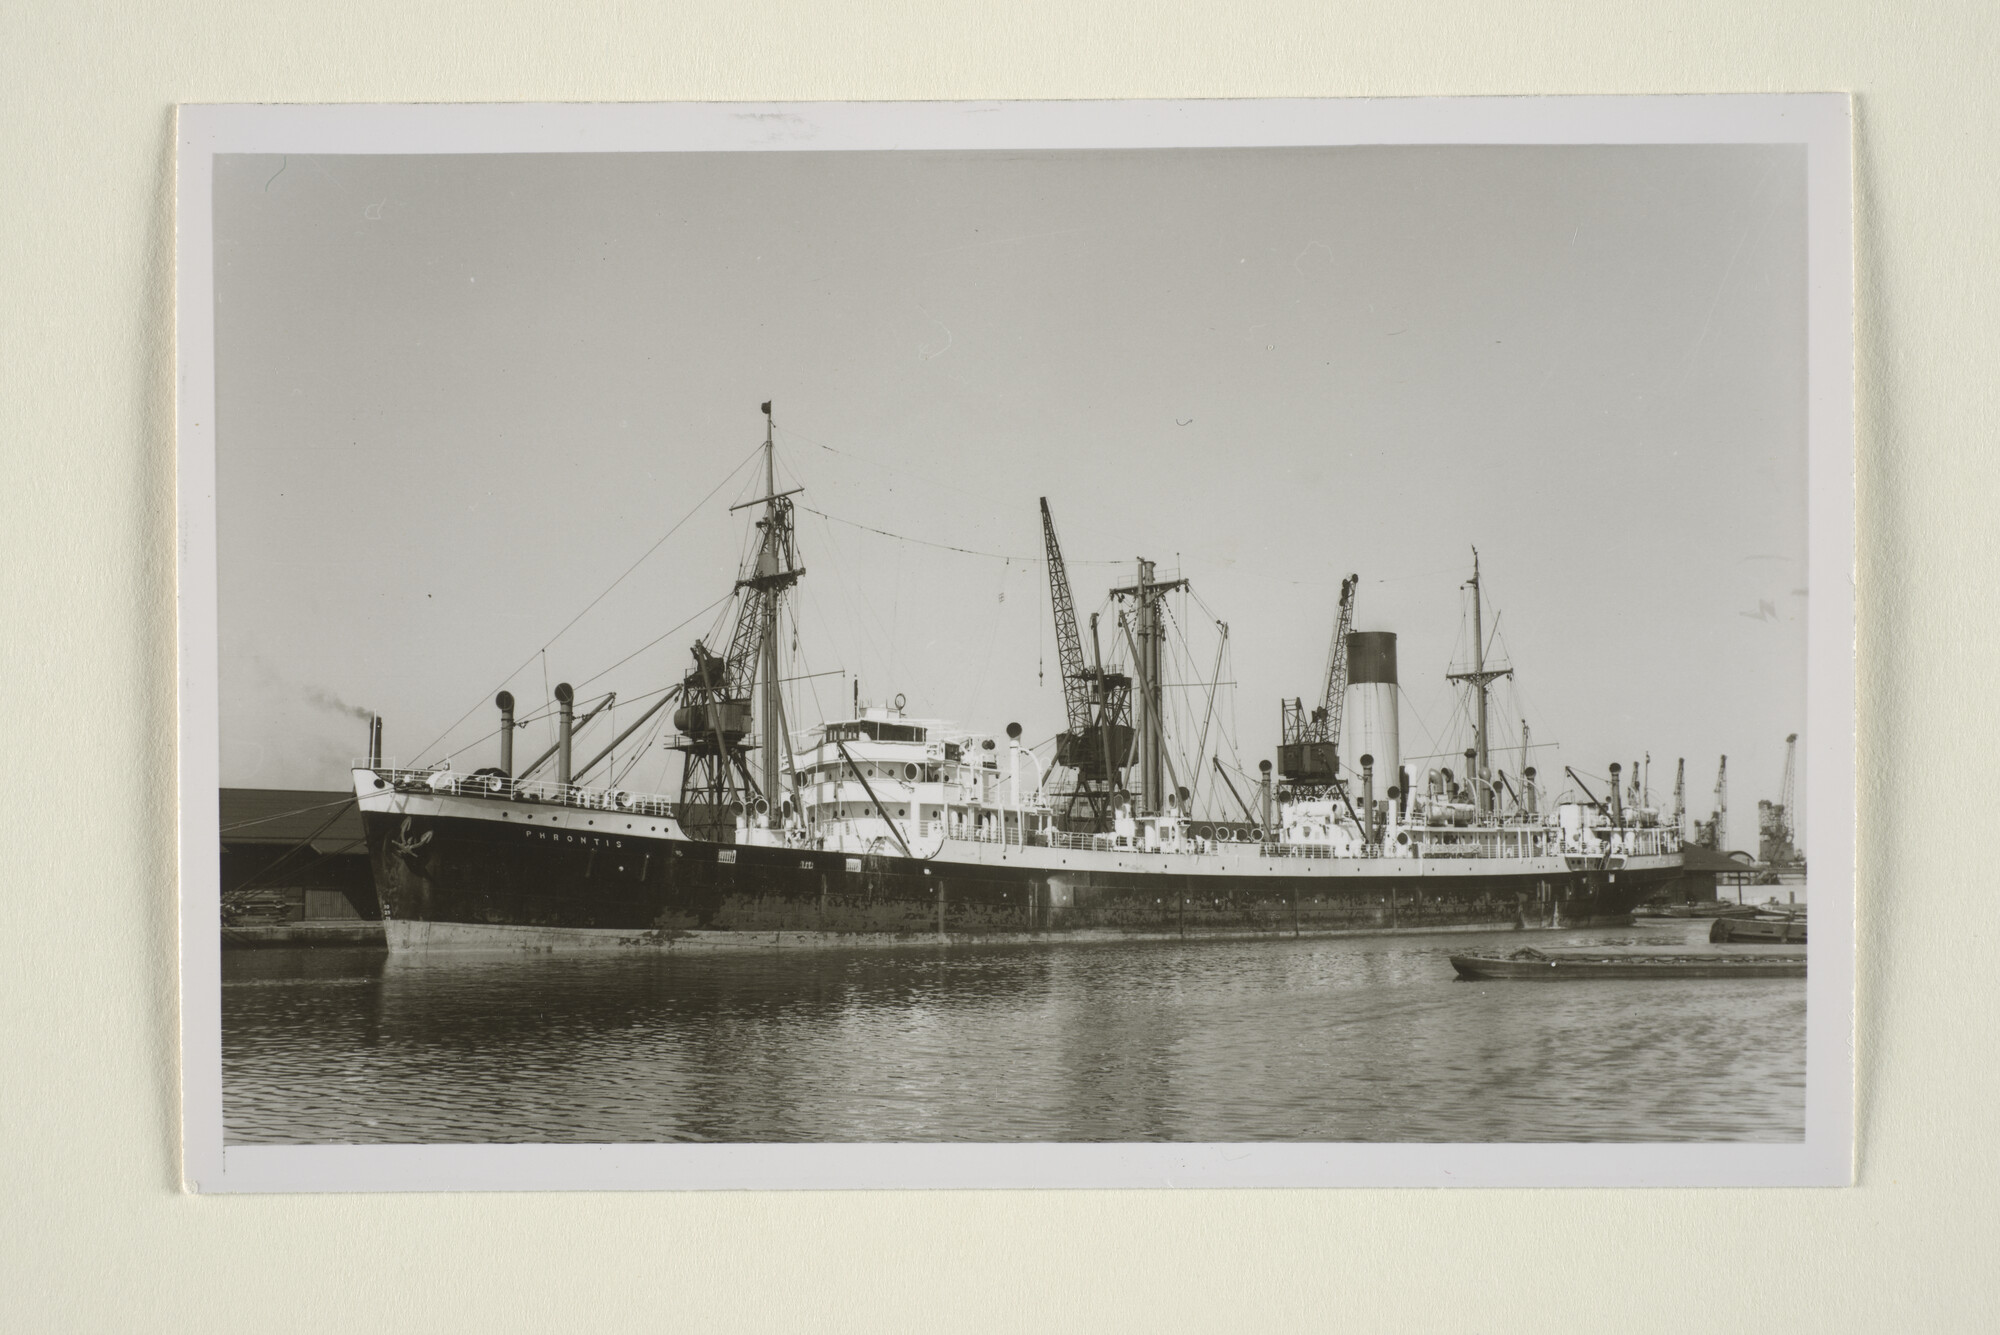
(469, 881)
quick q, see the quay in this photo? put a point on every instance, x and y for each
(295, 870)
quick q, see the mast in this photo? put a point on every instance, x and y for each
(718, 693)
(1479, 678)
(1150, 695)
(1680, 794)
(1149, 634)
(774, 710)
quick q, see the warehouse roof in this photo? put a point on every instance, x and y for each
(1696, 858)
(291, 816)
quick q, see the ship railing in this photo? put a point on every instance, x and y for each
(1110, 843)
(501, 788)
(1318, 851)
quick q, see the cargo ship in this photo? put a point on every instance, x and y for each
(878, 827)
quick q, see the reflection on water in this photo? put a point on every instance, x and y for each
(1364, 1039)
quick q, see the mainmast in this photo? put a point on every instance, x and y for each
(767, 566)
(1479, 678)
(1149, 635)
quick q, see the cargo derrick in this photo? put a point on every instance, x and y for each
(1309, 744)
(715, 719)
(1098, 707)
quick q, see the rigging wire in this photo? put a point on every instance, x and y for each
(543, 651)
(847, 586)
(655, 640)
(297, 811)
(946, 546)
(550, 712)
(870, 463)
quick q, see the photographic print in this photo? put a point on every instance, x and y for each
(1089, 644)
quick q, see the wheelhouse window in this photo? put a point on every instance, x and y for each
(874, 730)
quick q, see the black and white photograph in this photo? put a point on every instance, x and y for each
(1114, 644)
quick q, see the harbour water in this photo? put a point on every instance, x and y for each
(1343, 1039)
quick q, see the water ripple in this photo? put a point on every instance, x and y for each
(1361, 1039)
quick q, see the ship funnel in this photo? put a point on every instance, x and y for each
(565, 727)
(375, 742)
(1264, 799)
(1371, 721)
(505, 702)
(1617, 812)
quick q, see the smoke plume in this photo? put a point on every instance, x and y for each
(328, 700)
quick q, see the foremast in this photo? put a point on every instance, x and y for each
(716, 719)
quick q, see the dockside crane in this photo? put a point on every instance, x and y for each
(1097, 706)
(1776, 825)
(716, 714)
(1713, 832)
(1309, 743)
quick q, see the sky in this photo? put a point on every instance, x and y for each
(462, 400)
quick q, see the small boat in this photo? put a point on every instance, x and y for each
(1538, 965)
(1784, 930)
(1684, 912)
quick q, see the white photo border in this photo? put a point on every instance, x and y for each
(1820, 122)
